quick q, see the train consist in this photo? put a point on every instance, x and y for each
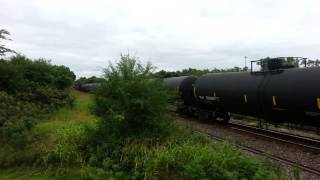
(278, 93)
(87, 87)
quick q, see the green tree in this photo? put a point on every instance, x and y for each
(130, 102)
(92, 79)
(30, 90)
(4, 36)
(132, 106)
(291, 61)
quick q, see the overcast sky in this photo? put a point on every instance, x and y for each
(86, 35)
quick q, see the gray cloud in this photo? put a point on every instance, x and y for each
(86, 35)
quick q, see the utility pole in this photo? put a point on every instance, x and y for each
(245, 63)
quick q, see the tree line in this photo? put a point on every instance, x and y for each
(29, 91)
(167, 74)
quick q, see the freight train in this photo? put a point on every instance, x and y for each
(86, 87)
(278, 93)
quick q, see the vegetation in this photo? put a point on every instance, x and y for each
(123, 131)
(195, 72)
(130, 102)
(135, 138)
(57, 146)
(310, 63)
(84, 80)
(29, 91)
(194, 160)
(4, 35)
(293, 62)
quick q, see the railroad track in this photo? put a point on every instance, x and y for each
(310, 143)
(270, 156)
(293, 139)
(302, 141)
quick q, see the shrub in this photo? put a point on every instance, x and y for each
(16, 117)
(30, 90)
(131, 106)
(22, 74)
(130, 103)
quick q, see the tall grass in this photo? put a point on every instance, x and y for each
(186, 155)
(56, 142)
(59, 150)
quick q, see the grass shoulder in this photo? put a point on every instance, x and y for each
(53, 142)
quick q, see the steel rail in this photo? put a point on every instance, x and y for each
(306, 142)
(262, 153)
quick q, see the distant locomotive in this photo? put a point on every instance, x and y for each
(280, 93)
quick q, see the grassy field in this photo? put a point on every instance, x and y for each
(57, 143)
(54, 138)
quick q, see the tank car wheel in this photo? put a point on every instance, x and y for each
(226, 117)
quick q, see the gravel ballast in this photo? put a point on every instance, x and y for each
(292, 152)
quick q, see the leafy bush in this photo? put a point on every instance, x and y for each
(130, 102)
(131, 106)
(16, 117)
(30, 90)
(22, 74)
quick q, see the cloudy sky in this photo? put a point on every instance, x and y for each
(85, 35)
